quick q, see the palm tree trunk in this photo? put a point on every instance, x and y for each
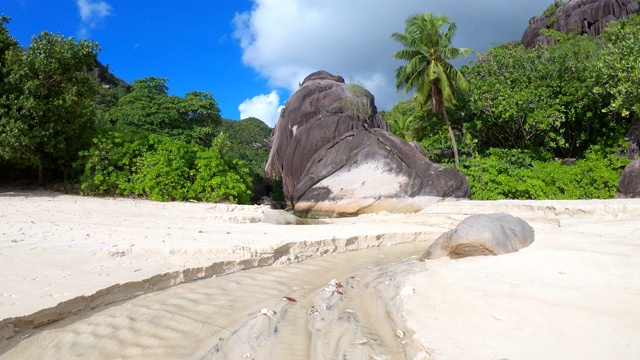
(451, 135)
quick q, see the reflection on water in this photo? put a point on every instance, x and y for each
(290, 312)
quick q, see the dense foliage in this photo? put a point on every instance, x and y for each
(46, 105)
(551, 102)
(560, 101)
(125, 161)
(64, 113)
(516, 174)
(248, 142)
(149, 107)
(618, 66)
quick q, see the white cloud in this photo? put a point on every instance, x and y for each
(91, 13)
(265, 107)
(285, 40)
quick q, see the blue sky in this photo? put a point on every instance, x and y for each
(251, 54)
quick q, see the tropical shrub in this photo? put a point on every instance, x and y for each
(108, 165)
(166, 172)
(135, 163)
(517, 174)
(219, 177)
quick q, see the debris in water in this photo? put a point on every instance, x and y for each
(267, 312)
(500, 317)
(407, 290)
(361, 341)
(289, 299)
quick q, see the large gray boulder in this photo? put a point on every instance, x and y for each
(320, 111)
(372, 170)
(586, 16)
(482, 234)
(629, 183)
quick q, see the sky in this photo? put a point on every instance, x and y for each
(252, 54)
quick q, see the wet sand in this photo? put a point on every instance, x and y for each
(307, 316)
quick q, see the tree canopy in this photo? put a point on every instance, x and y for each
(427, 50)
(149, 107)
(47, 101)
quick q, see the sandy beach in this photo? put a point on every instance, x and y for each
(574, 293)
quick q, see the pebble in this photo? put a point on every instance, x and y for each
(407, 290)
(267, 312)
(500, 317)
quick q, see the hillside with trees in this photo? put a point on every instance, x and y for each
(545, 122)
(522, 122)
(64, 118)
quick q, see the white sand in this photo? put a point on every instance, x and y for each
(575, 293)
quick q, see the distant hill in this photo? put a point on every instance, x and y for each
(249, 139)
(582, 16)
(111, 88)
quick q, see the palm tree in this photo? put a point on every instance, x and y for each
(427, 50)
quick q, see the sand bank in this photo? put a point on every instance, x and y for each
(574, 293)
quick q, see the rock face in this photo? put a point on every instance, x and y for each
(320, 111)
(336, 157)
(371, 170)
(587, 16)
(633, 141)
(482, 234)
(629, 183)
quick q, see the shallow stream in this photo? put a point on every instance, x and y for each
(343, 306)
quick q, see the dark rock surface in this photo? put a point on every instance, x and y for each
(372, 170)
(482, 234)
(629, 183)
(586, 16)
(633, 141)
(320, 111)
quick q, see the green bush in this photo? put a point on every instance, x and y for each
(220, 177)
(109, 163)
(127, 162)
(166, 172)
(515, 174)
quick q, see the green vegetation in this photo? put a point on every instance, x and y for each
(551, 104)
(247, 142)
(357, 100)
(46, 103)
(427, 51)
(516, 174)
(618, 67)
(125, 161)
(575, 99)
(63, 113)
(513, 115)
(149, 107)
(550, 11)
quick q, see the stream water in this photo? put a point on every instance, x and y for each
(343, 306)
